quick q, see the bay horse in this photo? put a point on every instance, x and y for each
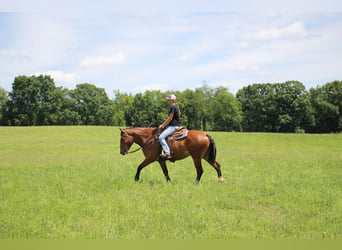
(197, 144)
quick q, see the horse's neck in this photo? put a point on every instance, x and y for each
(142, 135)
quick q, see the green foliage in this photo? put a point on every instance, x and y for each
(327, 103)
(204, 108)
(3, 103)
(278, 107)
(36, 100)
(3, 97)
(148, 109)
(93, 105)
(226, 112)
(266, 107)
(72, 183)
(30, 101)
(122, 108)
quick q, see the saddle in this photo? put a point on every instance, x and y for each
(179, 134)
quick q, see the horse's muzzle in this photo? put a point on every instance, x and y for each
(123, 152)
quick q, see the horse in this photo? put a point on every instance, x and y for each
(196, 144)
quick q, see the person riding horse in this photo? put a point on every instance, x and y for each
(196, 144)
(170, 125)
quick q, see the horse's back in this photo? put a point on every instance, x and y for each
(198, 137)
(195, 143)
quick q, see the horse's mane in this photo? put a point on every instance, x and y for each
(141, 129)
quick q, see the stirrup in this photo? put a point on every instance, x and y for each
(165, 156)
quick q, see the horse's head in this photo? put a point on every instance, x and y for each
(125, 142)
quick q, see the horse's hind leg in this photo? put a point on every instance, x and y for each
(217, 167)
(165, 171)
(199, 169)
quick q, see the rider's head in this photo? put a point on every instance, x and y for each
(171, 99)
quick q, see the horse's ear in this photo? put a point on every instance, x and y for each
(121, 130)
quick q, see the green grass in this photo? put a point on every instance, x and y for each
(72, 183)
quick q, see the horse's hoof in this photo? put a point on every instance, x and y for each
(222, 180)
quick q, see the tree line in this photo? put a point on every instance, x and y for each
(266, 107)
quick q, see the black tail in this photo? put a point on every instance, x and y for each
(211, 153)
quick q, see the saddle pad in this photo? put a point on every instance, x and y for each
(179, 137)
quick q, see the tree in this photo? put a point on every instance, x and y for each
(189, 111)
(281, 107)
(3, 103)
(92, 104)
(31, 101)
(327, 105)
(3, 97)
(204, 96)
(122, 106)
(266, 107)
(256, 107)
(148, 109)
(294, 107)
(226, 111)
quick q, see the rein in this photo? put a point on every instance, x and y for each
(130, 152)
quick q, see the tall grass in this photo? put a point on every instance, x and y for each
(72, 183)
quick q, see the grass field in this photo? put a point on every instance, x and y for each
(72, 183)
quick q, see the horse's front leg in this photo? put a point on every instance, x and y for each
(165, 171)
(141, 166)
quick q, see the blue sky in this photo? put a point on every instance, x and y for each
(132, 47)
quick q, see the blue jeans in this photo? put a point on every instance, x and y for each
(168, 131)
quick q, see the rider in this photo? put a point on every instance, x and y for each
(171, 124)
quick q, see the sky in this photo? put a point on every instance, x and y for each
(133, 46)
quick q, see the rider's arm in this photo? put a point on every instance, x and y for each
(167, 121)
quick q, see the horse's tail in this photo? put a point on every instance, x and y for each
(211, 153)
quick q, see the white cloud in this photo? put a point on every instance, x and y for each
(161, 87)
(294, 31)
(178, 49)
(44, 38)
(9, 53)
(172, 6)
(60, 77)
(96, 61)
(186, 57)
(13, 56)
